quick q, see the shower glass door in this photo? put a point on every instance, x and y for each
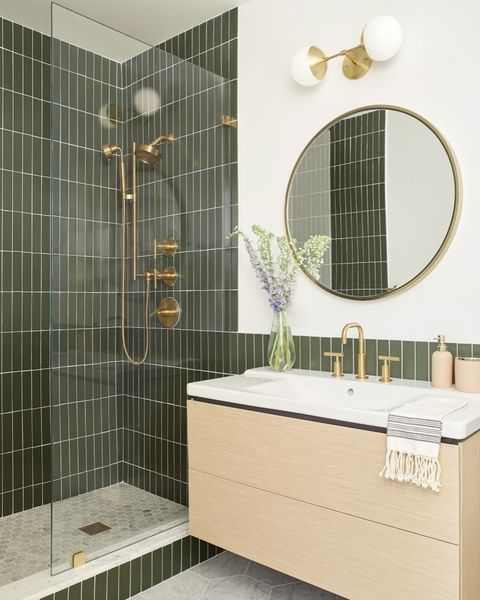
(117, 430)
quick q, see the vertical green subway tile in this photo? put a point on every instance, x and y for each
(157, 566)
(112, 584)
(124, 582)
(325, 346)
(383, 349)
(167, 562)
(336, 344)
(464, 350)
(74, 592)
(176, 557)
(476, 350)
(212, 550)
(315, 354)
(408, 360)
(146, 571)
(194, 551)
(241, 352)
(432, 347)
(304, 346)
(396, 350)
(371, 363)
(186, 549)
(88, 589)
(249, 352)
(266, 339)
(135, 576)
(258, 350)
(233, 353)
(203, 550)
(453, 349)
(421, 361)
(349, 360)
(101, 586)
(61, 595)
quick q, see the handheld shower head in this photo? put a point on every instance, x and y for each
(108, 151)
(149, 154)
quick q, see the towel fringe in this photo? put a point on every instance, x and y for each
(423, 471)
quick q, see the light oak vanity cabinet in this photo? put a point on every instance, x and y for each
(304, 497)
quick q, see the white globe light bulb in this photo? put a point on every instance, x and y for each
(382, 37)
(307, 68)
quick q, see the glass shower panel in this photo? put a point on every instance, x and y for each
(111, 484)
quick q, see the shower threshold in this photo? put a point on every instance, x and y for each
(131, 513)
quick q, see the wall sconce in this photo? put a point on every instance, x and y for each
(381, 40)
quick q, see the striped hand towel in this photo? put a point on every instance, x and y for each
(414, 432)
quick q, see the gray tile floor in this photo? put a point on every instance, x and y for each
(231, 577)
(132, 514)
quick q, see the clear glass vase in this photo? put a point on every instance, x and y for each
(281, 349)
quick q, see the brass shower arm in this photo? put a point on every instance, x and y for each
(168, 139)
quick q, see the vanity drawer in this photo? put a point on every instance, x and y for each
(349, 556)
(326, 465)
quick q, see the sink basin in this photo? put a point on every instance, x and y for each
(317, 394)
(330, 392)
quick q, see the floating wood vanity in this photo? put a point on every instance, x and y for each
(304, 497)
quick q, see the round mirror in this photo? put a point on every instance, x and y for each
(383, 185)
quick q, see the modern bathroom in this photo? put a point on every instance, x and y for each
(239, 332)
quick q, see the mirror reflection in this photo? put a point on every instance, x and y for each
(382, 184)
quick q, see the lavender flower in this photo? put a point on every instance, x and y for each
(277, 271)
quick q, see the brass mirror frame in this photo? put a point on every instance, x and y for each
(455, 215)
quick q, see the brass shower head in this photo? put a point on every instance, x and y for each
(149, 154)
(110, 149)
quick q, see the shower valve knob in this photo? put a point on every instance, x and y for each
(168, 247)
(168, 276)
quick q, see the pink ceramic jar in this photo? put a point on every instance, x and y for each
(467, 374)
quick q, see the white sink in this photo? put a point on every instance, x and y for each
(330, 392)
(347, 399)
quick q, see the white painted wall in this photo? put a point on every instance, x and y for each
(277, 118)
(151, 21)
(418, 207)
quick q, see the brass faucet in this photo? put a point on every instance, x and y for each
(361, 373)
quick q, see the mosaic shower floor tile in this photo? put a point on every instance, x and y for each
(132, 514)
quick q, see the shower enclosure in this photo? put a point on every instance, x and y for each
(118, 285)
(112, 482)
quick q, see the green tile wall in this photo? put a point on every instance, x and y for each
(141, 573)
(192, 196)
(24, 267)
(85, 354)
(232, 353)
(358, 221)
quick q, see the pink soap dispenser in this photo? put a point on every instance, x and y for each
(442, 365)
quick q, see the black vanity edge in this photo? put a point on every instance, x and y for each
(303, 417)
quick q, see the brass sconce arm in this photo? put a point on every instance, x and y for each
(356, 62)
(381, 39)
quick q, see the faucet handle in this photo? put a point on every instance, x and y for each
(337, 365)
(385, 378)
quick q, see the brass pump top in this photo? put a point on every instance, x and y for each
(442, 346)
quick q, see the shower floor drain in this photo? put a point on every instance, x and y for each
(94, 528)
